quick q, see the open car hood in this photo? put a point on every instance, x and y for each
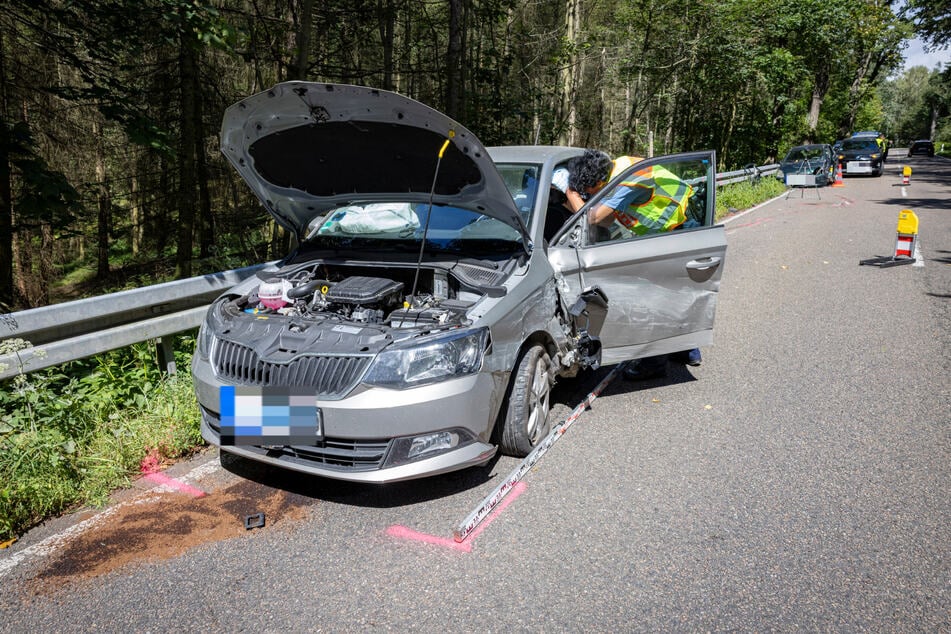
(305, 148)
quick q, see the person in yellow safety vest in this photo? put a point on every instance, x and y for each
(882, 145)
(651, 200)
(587, 174)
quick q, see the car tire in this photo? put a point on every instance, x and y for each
(529, 404)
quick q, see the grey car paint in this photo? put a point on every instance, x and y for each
(660, 289)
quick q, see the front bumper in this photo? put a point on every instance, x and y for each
(363, 431)
(861, 166)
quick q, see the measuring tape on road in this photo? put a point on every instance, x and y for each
(492, 500)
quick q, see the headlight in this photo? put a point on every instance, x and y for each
(205, 338)
(875, 156)
(445, 356)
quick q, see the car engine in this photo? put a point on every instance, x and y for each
(360, 295)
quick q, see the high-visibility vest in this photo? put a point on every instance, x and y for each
(666, 207)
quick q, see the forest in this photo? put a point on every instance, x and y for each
(110, 170)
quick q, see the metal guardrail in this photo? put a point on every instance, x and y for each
(86, 327)
(746, 174)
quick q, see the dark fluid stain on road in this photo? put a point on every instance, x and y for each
(166, 527)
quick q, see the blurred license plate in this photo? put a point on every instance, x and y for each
(269, 416)
(860, 167)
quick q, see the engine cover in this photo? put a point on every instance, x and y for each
(364, 290)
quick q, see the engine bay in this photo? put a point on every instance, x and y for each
(361, 295)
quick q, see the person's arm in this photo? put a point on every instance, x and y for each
(620, 198)
(602, 214)
(575, 201)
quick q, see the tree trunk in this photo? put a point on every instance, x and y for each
(206, 219)
(302, 43)
(727, 137)
(569, 73)
(815, 106)
(186, 158)
(135, 211)
(454, 62)
(6, 195)
(387, 21)
(855, 93)
(104, 205)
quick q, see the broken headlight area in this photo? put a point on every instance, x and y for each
(206, 338)
(427, 360)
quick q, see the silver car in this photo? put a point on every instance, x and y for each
(423, 318)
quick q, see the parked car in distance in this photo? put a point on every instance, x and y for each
(808, 160)
(861, 155)
(921, 146)
(423, 318)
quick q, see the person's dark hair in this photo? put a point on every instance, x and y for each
(587, 170)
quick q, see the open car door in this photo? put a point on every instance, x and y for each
(661, 278)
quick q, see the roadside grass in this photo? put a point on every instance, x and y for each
(744, 195)
(71, 435)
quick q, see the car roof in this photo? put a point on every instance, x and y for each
(544, 154)
(867, 133)
(809, 146)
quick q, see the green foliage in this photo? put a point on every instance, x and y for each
(932, 20)
(43, 193)
(69, 436)
(744, 195)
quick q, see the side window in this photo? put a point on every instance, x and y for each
(522, 183)
(651, 198)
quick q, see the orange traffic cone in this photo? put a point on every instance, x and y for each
(838, 176)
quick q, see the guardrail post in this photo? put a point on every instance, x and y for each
(165, 354)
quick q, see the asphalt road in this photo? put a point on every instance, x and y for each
(797, 481)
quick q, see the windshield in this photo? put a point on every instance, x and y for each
(803, 154)
(400, 226)
(860, 144)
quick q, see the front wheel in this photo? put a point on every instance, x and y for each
(526, 419)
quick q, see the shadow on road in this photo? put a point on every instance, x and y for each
(565, 396)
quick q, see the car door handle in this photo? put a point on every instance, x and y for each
(703, 270)
(704, 264)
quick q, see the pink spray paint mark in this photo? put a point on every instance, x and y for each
(403, 532)
(161, 478)
(465, 545)
(754, 223)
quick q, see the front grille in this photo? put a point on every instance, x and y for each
(358, 455)
(336, 453)
(330, 376)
